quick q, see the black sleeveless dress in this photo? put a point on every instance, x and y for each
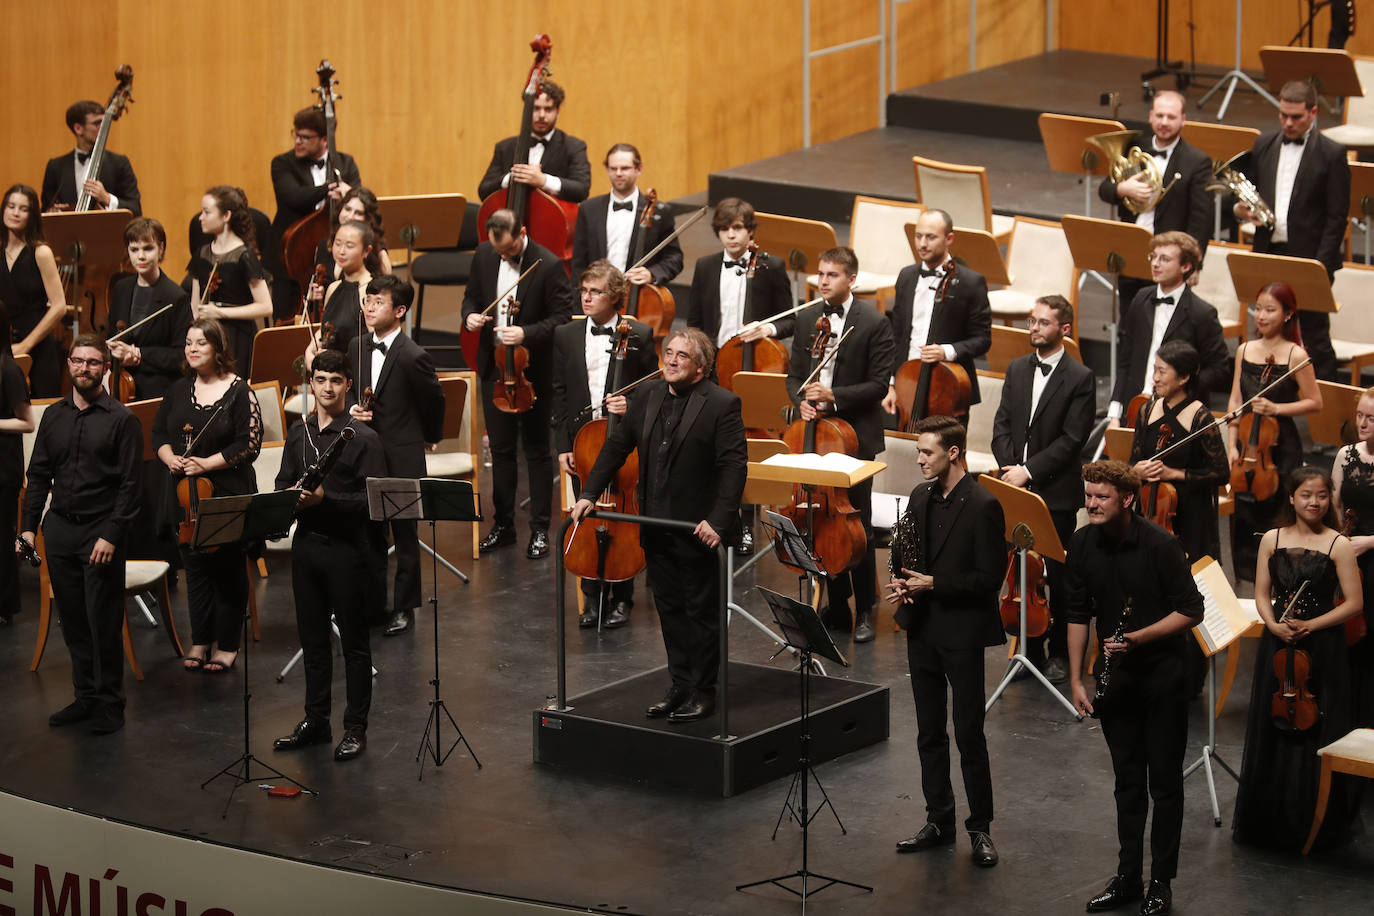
(23, 292)
(1203, 461)
(342, 311)
(238, 268)
(1254, 517)
(1357, 495)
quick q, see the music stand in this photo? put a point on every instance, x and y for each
(1250, 272)
(229, 520)
(1362, 200)
(1066, 144)
(806, 635)
(764, 404)
(1332, 425)
(89, 238)
(1108, 246)
(432, 499)
(1028, 527)
(435, 218)
(1331, 71)
(1235, 75)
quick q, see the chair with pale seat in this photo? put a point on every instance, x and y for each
(1353, 755)
(876, 229)
(1039, 263)
(1356, 130)
(1215, 287)
(1352, 335)
(978, 454)
(781, 235)
(275, 351)
(457, 457)
(962, 192)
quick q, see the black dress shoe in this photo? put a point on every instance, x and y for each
(674, 698)
(698, 706)
(746, 543)
(106, 721)
(498, 536)
(1119, 891)
(928, 837)
(1158, 899)
(308, 732)
(400, 622)
(863, 630)
(539, 546)
(77, 711)
(586, 620)
(984, 853)
(618, 617)
(836, 618)
(1056, 670)
(353, 743)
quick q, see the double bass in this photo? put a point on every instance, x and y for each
(650, 303)
(766, 355)
(302, 238)
(933, 389)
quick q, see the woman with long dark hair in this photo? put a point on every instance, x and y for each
(16, 418)
(32, 288)
(242, 300)
(359, 205)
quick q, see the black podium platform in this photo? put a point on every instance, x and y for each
(605, 731)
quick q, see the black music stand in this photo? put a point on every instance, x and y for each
(432, 499)
(805, 633)
(238, 520)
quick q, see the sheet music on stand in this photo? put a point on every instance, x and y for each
(251, 516)
(1225, 619)
(790, 544)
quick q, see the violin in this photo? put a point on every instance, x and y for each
(1355, 627)
(120, 381)
(302, 238)
(1037, 601)
(304, 316)
(836, 532)
(932, 389)
(1133, 408)
(766, 355)
(1161, 502)
(607, 551)
(513, 392)
(1293, 707)
(650, 303)
(190, 491)
(1254, 471)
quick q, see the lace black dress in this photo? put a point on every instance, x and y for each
(1203, 461)
(1280, 769)
(1357, 495)
(1252, 517)
(238, 268)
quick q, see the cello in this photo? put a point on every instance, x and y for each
(302, 238)
(766, 355)
(650, 303)
(933, 389)
(608, 551)
(1254, 471)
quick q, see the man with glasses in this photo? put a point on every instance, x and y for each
(582, 376)
(67, 175)
(87, 457)
(302, 184)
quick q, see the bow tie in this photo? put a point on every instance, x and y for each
(1164, 300)
(607, 331)
(82, 158)
(536, 140)
(622, 205)
(1296, 141)
(836, 310)
(929, 272)
(727, 264)
(1044, 367)
(318, 163)
(378, 345)
(1159, 152)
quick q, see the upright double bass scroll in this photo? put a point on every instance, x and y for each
(933, 389)
(302, 238)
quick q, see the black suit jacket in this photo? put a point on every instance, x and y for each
(771, 293)
(571, 391)
(1194, 321)
(116, 174)
(963, 319)
(708, 457)
(589, 238)
(967, 564)
(408, 406)
(1320, 200)
(297, 195)
(564, 156)
(1188, 205)
(546, 301)
(862, 369)
(162, 341)
(1055, 435)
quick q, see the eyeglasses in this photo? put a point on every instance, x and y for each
(590, 291)
(77, 362)
(303, 137)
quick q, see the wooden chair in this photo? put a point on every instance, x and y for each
(269, 396)
(1356, 130)
(876, 230)
(1010, 343)
(962, 192)
(1215, 287)
(1334, 424)
(274, 355)
(781, 235)
(1039, 263)
(974, 247)
(461, 445)
(25, 362)
(1352, 335)
(978, 453)
(1354, 755)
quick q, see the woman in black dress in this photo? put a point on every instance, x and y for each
(242, 300)
(1276, 349)
(152, 352)
(32, 288)
(1353, 475)
(1280, 768)
(355, 253)
(16, 418)
(226, 431)
(359, 205)
(1198, 469)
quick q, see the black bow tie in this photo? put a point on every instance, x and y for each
(622, 205)
(82, 158)
(1044, 367)
(606, 331)
(836, 310)
(1159, 152)
(728, 264)
(318, 163)
(1164, 300)
(1296, 141)
(929, 272)
(536, 140)
(378, 345)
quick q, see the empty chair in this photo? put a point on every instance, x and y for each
(1352, 336)
(457, 456)
(1215, 287)
(781, 235)
(962, 192)
(1040, 264)
(1356, 129)
(876, 232)
(978, 455)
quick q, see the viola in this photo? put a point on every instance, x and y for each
(766, 355)
(190, 491)
(1355, 627)
(836, 532)
(302, 238)
(1037, 601)
(932, 389)
(1161, 501)
(1254, 470)
(513, 392)
(120, 380)
(607, 551)
(650, 303)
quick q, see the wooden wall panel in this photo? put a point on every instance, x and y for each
(835, 22)
(1007, 30)
(844, 93)
(932, 42)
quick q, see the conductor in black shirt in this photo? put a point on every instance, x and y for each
(86, 456)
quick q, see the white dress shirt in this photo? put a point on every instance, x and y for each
(82, 170)
(1147, 219)
(922, 310)
(732, 288)
(1290, 157)
(378, 357)
(620, 225)
(1039, 380)
(552, 183)
(506, 275)
(598, 354)
(827, 376)
(1164, 313)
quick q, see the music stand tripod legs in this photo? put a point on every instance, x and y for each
(1019, 660)
(1209, 750)
(1235, 75)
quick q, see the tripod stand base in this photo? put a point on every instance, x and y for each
(806, 877)
(241, 772)
(432, 745)
(1020, 661)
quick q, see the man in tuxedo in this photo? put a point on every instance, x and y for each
(692, 466)
(1168, 310)
(584, 374)
(545, 302)
(303, 184)
(608, 225)
(1306, 180)
(1042, 423)
(851, 386)
(930, 327)
(1187, 207)
(116, 187)
(557, 161)
(407, 412)
(947, 602)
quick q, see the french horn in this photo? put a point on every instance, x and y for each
(1126, 160)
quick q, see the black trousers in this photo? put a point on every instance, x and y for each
(9, 560)
(861, 581)
(216, 595)
(685, 579)
(1147, 740)
(90, 600)
(619, 591)
(531, 428)
(1056, 641)
(329, 576)
(962, 669)
(405, 594)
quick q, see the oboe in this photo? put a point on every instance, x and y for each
(1104, 679)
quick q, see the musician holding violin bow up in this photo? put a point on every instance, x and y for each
(592, 360)
(152, 352)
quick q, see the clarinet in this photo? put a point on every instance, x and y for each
(1104, 679)
(28, 552)
(317, 472)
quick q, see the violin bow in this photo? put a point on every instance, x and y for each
(513, 287)
(223, 401)
(209, 283)
(140, 323)
(783, 314)
(1293, 602)
(663, 244)
(586, 411)
(815, 373)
